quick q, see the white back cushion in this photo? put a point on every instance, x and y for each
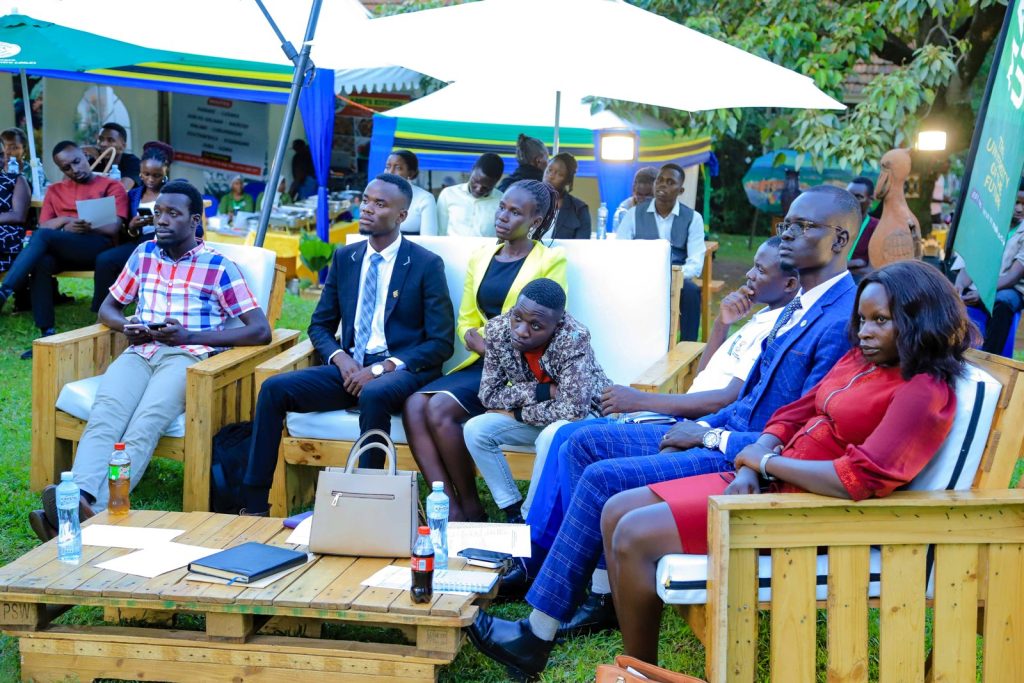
(257, 267)
(619, 290)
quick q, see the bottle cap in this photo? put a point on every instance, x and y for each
(118, 446)
(67, 476)
(438, 485)
(424, 530)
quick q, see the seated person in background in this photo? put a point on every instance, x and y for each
(879, 416)
(572, 220)
(15, 200)
(539, 373)
(864, 190)
(156, 164)
(467, 210)
(236, 199)
(667, 218)
(64, 242)
(643, 189)
(497, 273)
(1009, 288)
(422, 218)
(724, 367)
(143, 390)
(389, 299)
(532, 156)
(280, 197)
(113, 135)
(805, 342)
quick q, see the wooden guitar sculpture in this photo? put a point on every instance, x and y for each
(898, 235)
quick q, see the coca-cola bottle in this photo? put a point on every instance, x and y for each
(423, 566)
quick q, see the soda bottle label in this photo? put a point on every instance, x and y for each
(423, 564)
(119, 472)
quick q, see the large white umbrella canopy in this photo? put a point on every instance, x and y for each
(605, 48)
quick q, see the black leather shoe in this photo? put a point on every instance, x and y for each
(511, 643)
(37, 520)
(516, 581)
(597, 613)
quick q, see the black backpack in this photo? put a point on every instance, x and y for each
(227, 469)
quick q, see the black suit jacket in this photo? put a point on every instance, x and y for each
(573, 222)
(419, 321)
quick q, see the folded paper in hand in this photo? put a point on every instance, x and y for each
(102, 211)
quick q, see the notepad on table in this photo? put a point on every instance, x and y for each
(397, 577)
(248, 562)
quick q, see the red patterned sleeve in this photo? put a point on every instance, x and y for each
(913, 428)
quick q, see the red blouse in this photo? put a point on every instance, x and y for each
(879, 429)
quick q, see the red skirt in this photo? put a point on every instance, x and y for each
(688, 500)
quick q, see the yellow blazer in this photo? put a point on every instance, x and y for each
(541, 262)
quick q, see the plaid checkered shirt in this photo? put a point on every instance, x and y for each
(202, 290)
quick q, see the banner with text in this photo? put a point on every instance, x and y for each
(229, 135)
(986, 203)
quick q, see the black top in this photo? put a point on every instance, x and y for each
(573, 220)
(494, 288)
(130, 167)
(523, 172)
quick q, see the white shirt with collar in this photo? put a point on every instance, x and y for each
(736, 357)
(377, 342)
(461, 214)
(694, 236)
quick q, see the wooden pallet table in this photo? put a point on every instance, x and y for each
(265, 635)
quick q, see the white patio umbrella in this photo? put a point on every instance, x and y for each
(604, 55)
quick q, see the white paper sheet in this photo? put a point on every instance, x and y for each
(300, 535)
(158, 559)
(110, 536)
(503, 538)
(102, 211)
(262, 583)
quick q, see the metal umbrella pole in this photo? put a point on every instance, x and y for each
(34, 170)
(302, 64)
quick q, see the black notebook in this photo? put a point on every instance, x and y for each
(248, 562)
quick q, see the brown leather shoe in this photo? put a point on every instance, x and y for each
(85, 510)
(37, 520)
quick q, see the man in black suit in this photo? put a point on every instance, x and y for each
(394, 337)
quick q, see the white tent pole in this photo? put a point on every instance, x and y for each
(558, 116)
(26, 98)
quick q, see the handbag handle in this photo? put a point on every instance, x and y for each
(360, 447)
(109, 151)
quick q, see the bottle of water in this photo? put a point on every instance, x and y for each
(437, 520)
(13, 167)
(602, 221)
(26, 240)
(69, 529)
(114, 173)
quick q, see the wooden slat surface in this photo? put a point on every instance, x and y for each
(794, 615)
(848, 575)
(954, 648)
(901, 617)
(1004, 611)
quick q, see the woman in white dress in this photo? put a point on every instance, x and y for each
(422, 219)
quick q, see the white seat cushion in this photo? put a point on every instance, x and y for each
(76, 399)
(952, 469)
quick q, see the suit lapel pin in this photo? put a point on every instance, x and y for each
(408, 260)
(803, 323)
(394, 294)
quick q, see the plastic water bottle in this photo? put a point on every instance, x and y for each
(437, 520)
(69, 529)
(13, 166)
(602, 221)
(26, 240)
(114, 173)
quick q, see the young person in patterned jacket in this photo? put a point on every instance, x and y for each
(539, 373)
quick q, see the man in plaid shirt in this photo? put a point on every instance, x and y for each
(185, 293)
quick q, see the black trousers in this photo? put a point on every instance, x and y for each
(48, 253)
(317, 389)
(109, 265)
(689, 310)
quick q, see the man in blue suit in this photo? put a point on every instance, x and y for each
(607, 458)
(383, 328)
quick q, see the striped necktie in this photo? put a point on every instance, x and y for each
(367, 307)
(784, 317)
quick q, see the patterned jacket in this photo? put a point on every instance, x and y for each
(508, 383)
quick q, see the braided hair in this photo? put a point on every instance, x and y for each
(158, 151)
(528, 149)
(544, 200)
(569, 161)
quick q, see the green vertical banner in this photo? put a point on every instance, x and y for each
(997, 158)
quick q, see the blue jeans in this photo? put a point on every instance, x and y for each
(605, 459)
(1007, 304)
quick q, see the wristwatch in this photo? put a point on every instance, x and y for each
(377, 369)
(712, 438)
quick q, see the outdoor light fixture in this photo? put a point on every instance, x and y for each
(931, 140)
(618, 147)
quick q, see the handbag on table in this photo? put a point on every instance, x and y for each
(365, 512)
(622, 671)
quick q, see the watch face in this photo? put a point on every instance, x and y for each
(377, 370)
(711, 439)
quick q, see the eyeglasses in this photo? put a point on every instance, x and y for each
(799, 228)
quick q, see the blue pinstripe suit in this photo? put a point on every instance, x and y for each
(605, 458)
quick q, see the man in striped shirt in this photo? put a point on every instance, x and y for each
(185, 293)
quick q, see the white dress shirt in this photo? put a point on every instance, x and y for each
(377, 342)
(422, 216)
(736, 357)
(461, 214)
(694, 237)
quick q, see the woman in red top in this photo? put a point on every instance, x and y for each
(871, 424)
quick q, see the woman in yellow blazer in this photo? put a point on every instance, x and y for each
(433, 417)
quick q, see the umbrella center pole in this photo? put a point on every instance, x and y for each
(558, 116)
